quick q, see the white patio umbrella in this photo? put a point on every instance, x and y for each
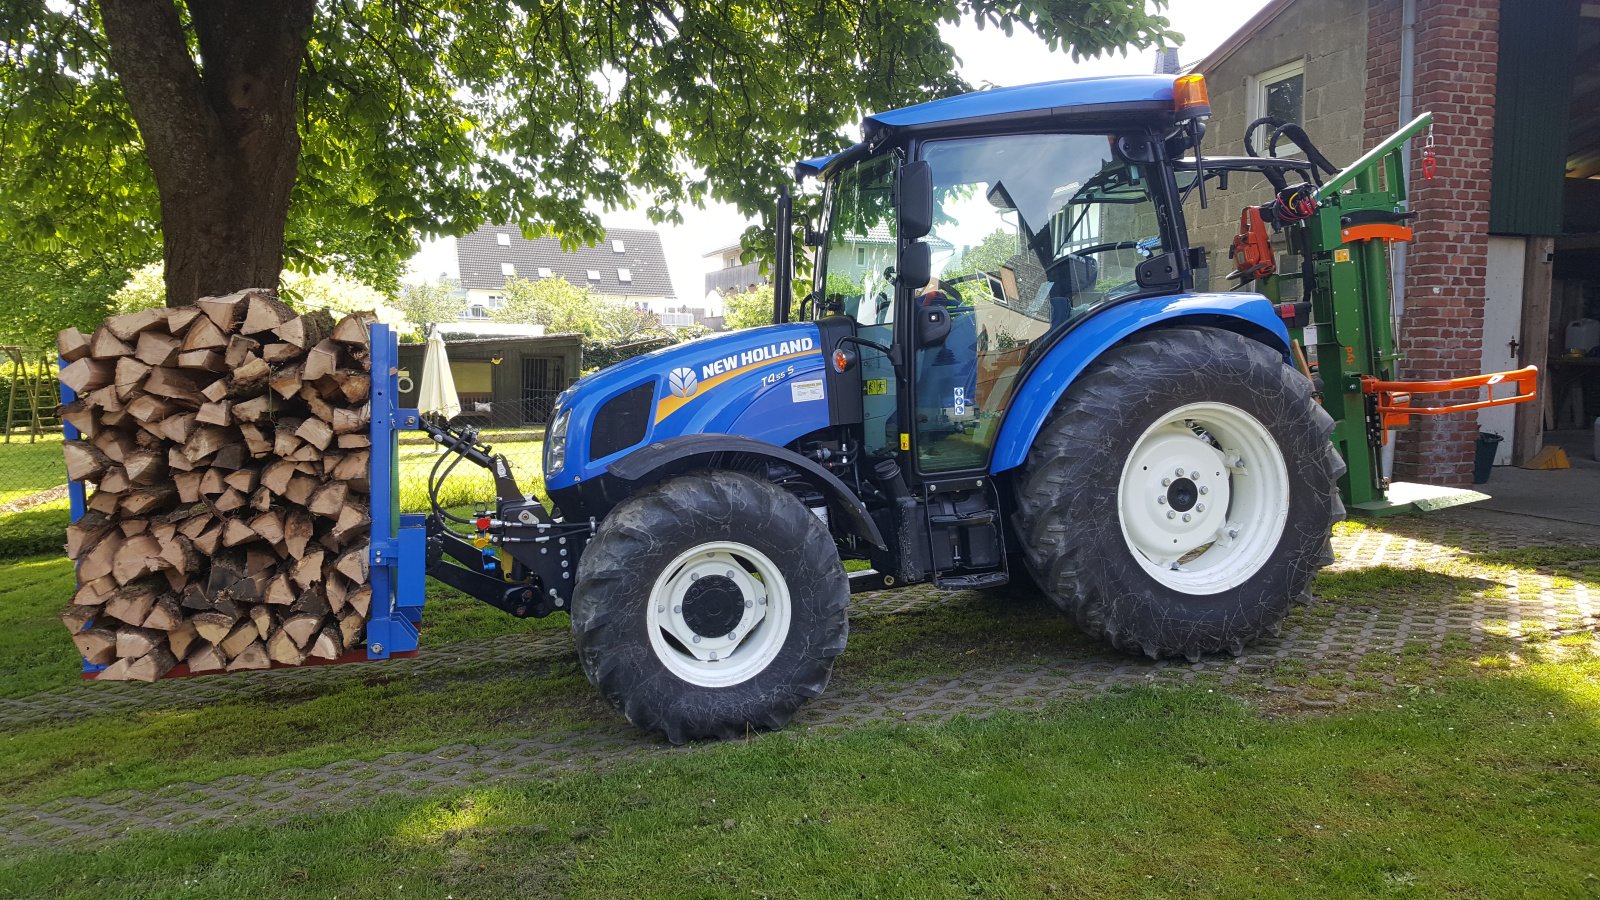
(438, 390)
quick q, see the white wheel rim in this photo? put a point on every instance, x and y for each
(1204, 498)
(749, 645)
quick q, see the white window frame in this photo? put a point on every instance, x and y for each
(594, 274)
(617, 246)
(1256, 104)
(544, 272)
(625, 275)
(503, 239)
(508, 270)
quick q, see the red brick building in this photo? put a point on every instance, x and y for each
(1507, 248)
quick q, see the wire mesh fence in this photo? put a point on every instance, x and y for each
(32, 471)
(513, 427)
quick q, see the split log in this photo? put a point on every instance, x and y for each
(222, 311)
(203, 335)
(128, 326)
(85, 461)
(328, 500)
(326, 646)
(157, 349)
(158, 662)
(251, 657)
(264, 312)
(206, 658)
(136, 642)
(106, 346)
(72, 345)
(88, 374)
(240, 348)
(97, 645)
(180, 639)
(281, 648)
(352, 329)
(202, 361)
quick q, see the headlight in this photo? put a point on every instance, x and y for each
(555, 443)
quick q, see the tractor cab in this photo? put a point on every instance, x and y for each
(964, 237)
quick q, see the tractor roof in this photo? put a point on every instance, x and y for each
(1073, 96)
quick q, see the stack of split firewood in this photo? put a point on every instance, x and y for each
(227, 446)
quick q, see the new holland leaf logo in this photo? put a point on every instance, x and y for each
(682, 382)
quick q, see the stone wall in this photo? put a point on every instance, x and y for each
(1330, 37)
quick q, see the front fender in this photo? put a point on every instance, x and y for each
(1043, 384)
(672, 456)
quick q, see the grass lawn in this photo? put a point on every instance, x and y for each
(1485, 786)
(1474, 776)
(468, 485)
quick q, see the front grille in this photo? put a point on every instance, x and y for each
(621, 422)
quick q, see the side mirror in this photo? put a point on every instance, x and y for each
(915, 266)
(933, 325)
(916, 200)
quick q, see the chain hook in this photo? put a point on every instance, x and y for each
(1430, 161)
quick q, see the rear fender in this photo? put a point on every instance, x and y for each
(663, 459)
(1251, 315)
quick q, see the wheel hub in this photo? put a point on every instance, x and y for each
(718, 614)
(1203, 497)
(713, 605)
(1182, 495)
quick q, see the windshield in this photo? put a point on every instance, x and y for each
(1031, 233)
(1039, 229)
(858, 262)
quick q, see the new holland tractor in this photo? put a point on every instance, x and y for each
(1004, 374)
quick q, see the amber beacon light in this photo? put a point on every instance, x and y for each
(1190, 97)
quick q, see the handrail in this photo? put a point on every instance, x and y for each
(1374, 156)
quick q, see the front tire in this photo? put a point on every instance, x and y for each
(710, 605)
(1179, 499)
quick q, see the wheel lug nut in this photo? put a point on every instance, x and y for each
(1200, 507)
(696, 639)
(733, 636)
(1171, 514)
(677, 610)
(1165, 482)
(748, 604)
(661, 607)
(1194, 475)
(1186, 517)
(1162, 501)
(1180, 472)
(1204, 490)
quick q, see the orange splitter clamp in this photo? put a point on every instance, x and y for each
(1394, 397)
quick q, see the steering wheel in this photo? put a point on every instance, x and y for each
(1145, 248)
(949, 288)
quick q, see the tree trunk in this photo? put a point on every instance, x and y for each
(221, 136)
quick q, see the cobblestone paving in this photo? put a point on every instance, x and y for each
(1324, 657)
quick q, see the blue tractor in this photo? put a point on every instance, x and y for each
(1004, 374)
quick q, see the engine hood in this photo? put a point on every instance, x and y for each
(763, 383)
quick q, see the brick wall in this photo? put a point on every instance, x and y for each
(1441, 334)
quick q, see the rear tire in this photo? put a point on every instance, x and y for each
(710, 605)
(1179, 499)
